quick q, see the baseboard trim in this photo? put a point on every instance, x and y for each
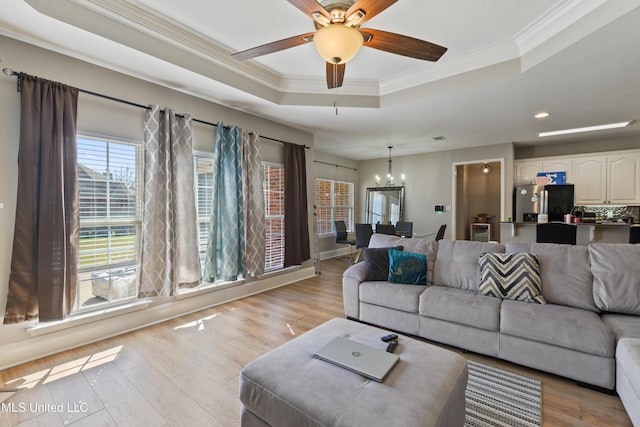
(337, 253)
(32, 348)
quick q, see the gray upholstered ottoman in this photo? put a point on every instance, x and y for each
(289, 387)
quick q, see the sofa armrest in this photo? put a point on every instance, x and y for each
(351, 279)
(356, 272)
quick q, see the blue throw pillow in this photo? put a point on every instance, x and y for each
(408, 268)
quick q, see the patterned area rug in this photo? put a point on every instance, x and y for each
(496, 397)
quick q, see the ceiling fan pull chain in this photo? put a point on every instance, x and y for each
(335, 84)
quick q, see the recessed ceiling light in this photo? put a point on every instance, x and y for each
(542, 115)
(585, 129)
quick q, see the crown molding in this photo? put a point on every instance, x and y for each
(553, 21)
(550, 24)
(176, 43)
(450, 66)
(160, 26)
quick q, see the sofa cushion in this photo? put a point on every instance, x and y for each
(392, 295)
(456, 263)
(511, 276)
(461, 307)
(565, 271)
(623, 325)
(558, 325)
(409, 268)
(417, 245)
(376, 262)
(616, 276)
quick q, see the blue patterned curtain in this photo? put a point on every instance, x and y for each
(225, 246)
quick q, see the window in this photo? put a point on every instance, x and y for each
(204, 190)
(273, 188)
(110, 186)
(334, 202)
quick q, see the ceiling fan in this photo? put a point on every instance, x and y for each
(338, 36)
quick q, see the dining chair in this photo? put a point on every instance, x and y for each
(342, 237)
(404, 228)
(386, 229)
(363, 236)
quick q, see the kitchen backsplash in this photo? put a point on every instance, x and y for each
(602, 212)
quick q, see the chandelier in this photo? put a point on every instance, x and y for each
(390, 178)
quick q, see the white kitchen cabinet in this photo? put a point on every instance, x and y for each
(590, 180)
(527, 170)
(559, 165)
(612, 179)
(623, 184)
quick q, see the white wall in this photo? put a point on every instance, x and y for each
(429, 182)
(99, 116)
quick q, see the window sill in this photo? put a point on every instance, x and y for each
(80, 319)
(280, 271)
(206, 287)
(85, 318)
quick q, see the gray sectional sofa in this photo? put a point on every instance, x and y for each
(589, 329)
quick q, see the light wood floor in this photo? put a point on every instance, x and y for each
(184, 372)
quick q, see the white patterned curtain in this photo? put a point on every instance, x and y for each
(254, 211)
(169, 257)
(237, 207)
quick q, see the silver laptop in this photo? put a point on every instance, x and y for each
(367, 361)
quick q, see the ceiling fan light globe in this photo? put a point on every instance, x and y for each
(337, 43)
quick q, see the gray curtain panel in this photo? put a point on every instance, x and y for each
(44, 263)
(169, 258)
(253, 197)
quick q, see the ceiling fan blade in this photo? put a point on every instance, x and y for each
(402, 45)
(308, 7)
(273, 47)
(335, 75)
(371, 7)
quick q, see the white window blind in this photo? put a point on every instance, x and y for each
(334, 202)
(273, 188)
(204, 190)
(110, 187)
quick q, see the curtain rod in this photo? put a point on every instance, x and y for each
(333, 164)
(11, 73)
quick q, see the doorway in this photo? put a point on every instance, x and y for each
(478, 199)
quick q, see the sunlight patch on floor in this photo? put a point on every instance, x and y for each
(64, 370)
(291, 329)
(199, 323)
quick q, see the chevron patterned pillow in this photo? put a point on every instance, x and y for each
(511, 276)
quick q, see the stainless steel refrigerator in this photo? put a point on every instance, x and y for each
(531, 200)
